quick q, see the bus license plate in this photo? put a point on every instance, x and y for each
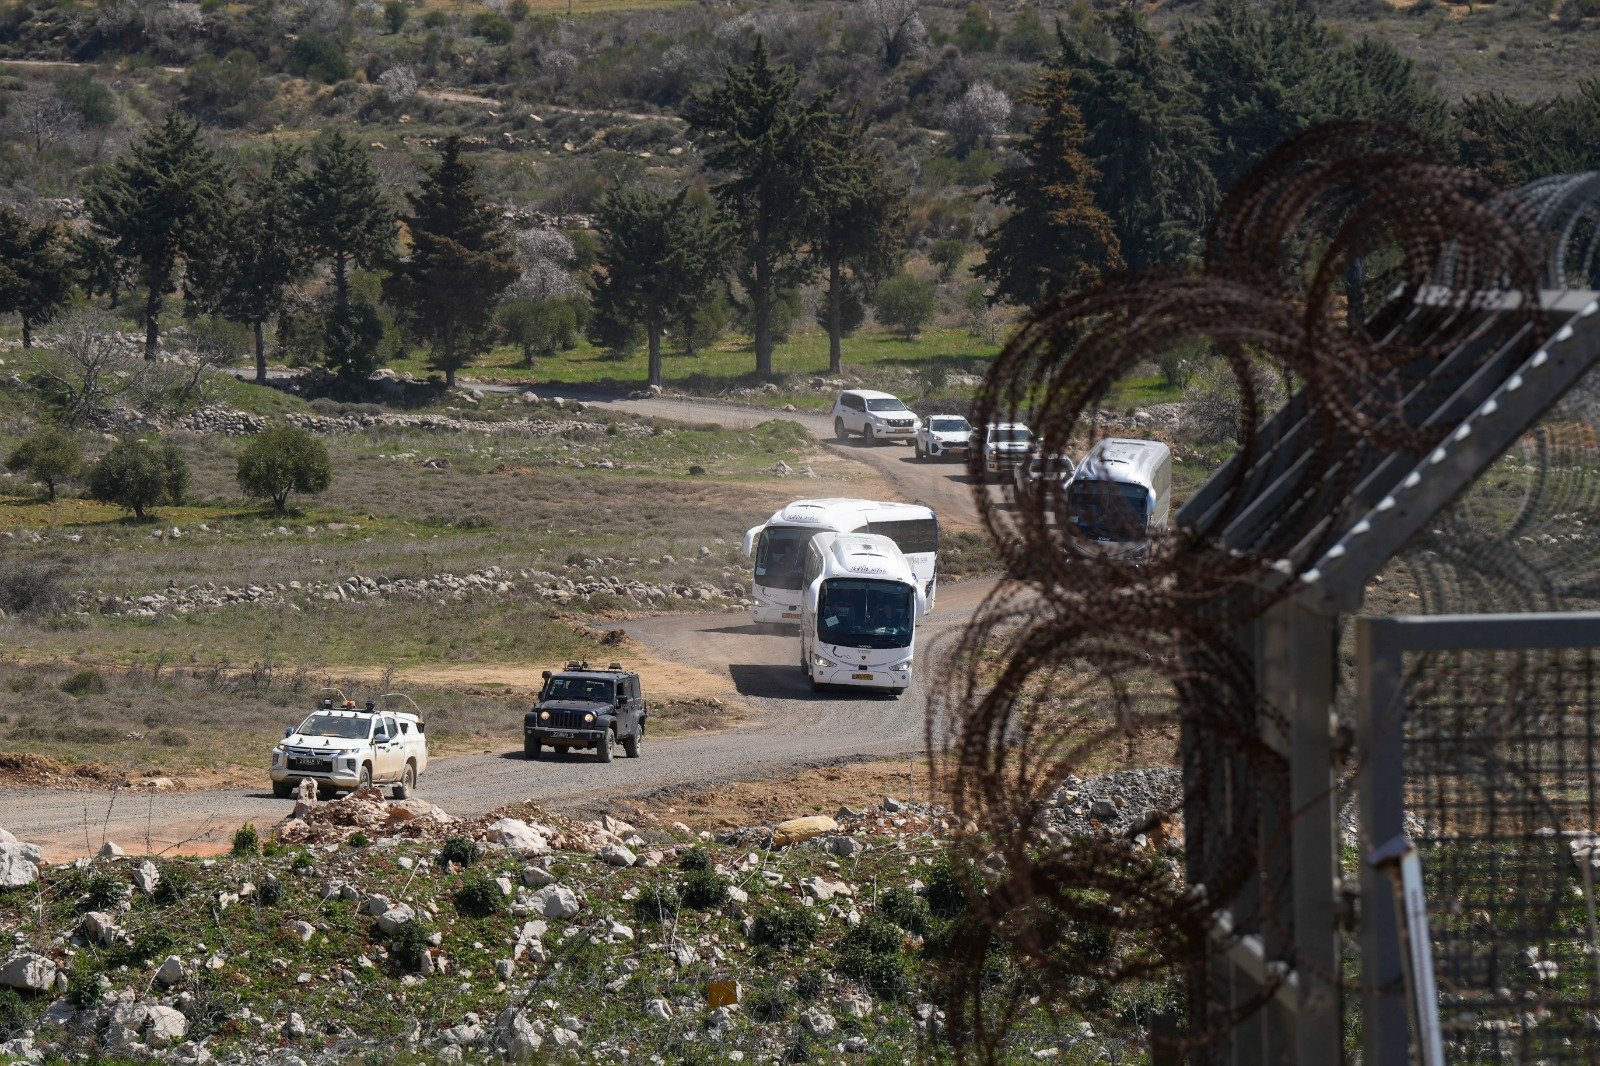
(861, 677)
(791, 614)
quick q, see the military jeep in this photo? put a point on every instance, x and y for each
(582, 707)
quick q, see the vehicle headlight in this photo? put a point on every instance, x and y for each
(544, 716)
(818, 660)
(277, 756)
(589, 717)
(903, 664)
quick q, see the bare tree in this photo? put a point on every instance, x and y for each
(545, 255)
(979, 116)
(898, 28)
(41, 119)
(93, 368)
(187, 380)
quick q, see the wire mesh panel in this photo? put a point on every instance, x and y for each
(1481, 743)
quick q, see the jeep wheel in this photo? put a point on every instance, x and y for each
(532, 749)
(838, 430)
(365, 780)
(283, 790)
(408, 782)
(630, 743)
(602, 750)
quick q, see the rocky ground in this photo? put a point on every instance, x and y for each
(374, 931)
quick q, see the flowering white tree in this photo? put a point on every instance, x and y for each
(897, 26)
(545, 256)
(979, 116)
(399, 84)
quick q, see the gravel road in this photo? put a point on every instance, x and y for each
(791, 727)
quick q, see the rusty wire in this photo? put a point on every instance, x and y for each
(1341, 265)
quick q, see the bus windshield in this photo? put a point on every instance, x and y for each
(781, 557)
(1109, 510)
(865, 613)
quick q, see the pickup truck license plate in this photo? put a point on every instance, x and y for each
(861, 677)
(310, 764)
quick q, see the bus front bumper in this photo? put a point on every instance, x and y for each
(776, 613)
(880, 677)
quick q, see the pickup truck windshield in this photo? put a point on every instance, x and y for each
(781, 556)
(864, 613)
(582, 689)
(949, 425)
(1010, 436)
(333, 725)
(888, 404)
(1109, 510)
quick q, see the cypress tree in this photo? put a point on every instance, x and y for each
(348, 218)
(265, 251)
(1056, 238)
(660, 257)
(35, 278)
(158, 206)
(754, 128)
(462, 259)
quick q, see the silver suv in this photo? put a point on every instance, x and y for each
(1006, 446)
(873, 415)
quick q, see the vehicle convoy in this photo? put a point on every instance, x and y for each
(778, 547)
(1040, 467)
(582, 707)
(859, 618)
(1120, 496)
(944, 436)
(1003, 446)
(874, 415)
(343, 747)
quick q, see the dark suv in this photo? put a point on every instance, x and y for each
(582, 707)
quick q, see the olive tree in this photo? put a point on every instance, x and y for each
(284, 460)
(905, 304)
(138, 475)
(50, 456)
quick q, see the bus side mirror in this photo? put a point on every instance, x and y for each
(922, 601)
(750, 540)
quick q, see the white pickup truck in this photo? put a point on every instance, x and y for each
(343, 747)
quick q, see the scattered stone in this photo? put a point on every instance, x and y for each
(146, 877)
(616, 855)
(520, 838)
(170, 972)
(818, 1022)
(302, 929)
(796, 830)
(19, 864)
(392, 919)
(556, 901)
(165, 1027)
(892, 805)
(659, 1009)
(537, 876)
(110, 850)
(295, 1027)
(515, 1036)
(28, 972)
(98, 927)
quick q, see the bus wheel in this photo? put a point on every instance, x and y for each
(897, 692)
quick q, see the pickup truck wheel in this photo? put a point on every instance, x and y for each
(838, 430)
(365, 780)
(630, 743)
(408, 782)
(283, 790)
(532, 749)
(602, 750)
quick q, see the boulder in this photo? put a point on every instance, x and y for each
(166, 1027)
(616, 855)
(19, 864)
(817, 1022)
(556, 901)
(519, 837)
(98, 927)
(392, 919)
(797, 829)
(29, 972)
(110, 850)
(515, 1036)
(823, 890)
(170, 972)
(410, 810)
(146, 877)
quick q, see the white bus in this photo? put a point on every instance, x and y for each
(778, 547)
(1119, 496)
(859, 610)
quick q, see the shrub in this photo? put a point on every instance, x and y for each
(173, 886)
(282, 460)
(50, 455)
(785, 926)
(320, 57)
(944, 894)
(696, 858)
(394, 15)
(137, 475)
(84, 683)
(905, 908)
(1212, 413)
(947, 254)
(874, 936)
(153, 941)
(904, 304)
(31, 589)
(479, 897)
(885, 975)
(463, 851)
(246, 841)
(83, 983)
(768, 1005)
(704, 889)
(656, 903)
(14, 1012)
(270, 891)
(92, 890)
(493, 27)
(358, 839)
(809, 984)
(408, 944)
(540, 326)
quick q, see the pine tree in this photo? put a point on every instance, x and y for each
(660, 256)
(1146, 136)
(861, 227)
(157, 206)
(1056, 239)
(349, 220)
(35, 278)
(754, 128)
(265, 251)
(461, 260)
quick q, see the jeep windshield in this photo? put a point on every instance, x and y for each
(949, 425)
(865, 613)
(336, 726)
(888, 403)
(1108, 510)
(579, 690)
(781, 556)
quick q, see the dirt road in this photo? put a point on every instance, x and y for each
(793, 727)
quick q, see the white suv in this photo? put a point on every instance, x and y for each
(1006, 446)
(944, 435)
(873, 415)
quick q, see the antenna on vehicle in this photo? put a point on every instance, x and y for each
(408, 699)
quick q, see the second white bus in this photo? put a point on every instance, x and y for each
(778, 547)
(859, 611)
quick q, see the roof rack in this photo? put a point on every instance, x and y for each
(615, 666)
